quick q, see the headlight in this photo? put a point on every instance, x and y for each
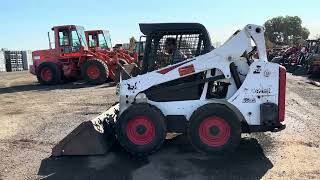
(36, 57)
(141, 98)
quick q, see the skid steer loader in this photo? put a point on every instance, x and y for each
(212, 95)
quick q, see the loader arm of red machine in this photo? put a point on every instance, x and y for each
(124, 55)
(102, 56)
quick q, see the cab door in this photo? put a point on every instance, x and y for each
(68, 42)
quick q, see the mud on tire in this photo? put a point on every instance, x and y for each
(141, 129)
(214, 129)
(94, 71)
(49, 73)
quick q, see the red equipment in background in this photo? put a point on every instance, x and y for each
(71, 58)
(100, 41)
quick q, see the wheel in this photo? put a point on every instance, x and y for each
(95, 71)
(49, 73)
(214, 129)
(141, 129)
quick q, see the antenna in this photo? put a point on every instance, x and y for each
(49, 40)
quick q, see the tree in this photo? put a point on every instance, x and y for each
(283, 30)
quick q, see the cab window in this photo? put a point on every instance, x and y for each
(75, 39)
(167, 49)
(102, 41)
(64, 38)
(93, 41)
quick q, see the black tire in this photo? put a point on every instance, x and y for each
(49, 73)
(225, 129)
(94, 71)
(146, 144)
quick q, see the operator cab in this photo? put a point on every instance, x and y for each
(170, 43)
(98, 39)
(69, 38)
(166, 44)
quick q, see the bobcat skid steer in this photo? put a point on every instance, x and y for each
(212, 95)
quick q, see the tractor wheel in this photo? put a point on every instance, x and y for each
(141, 129)
(49, 73)
(214, 129)
(95, 71)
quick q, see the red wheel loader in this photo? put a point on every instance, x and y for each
(100, 41)
(187, 86)
(71, 58)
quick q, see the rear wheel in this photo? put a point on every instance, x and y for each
(95, 71)
(214, 129)
(48, 73)
(141, 129)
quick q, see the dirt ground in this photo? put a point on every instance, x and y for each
(34, 118)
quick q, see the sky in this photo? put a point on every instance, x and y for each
(24, 23)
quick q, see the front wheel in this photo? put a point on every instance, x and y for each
(141, 129)
(95, 71)
(48, 73)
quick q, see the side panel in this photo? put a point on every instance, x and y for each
(260, 86)
(186, 108)
(43, 56)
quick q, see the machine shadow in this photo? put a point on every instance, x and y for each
(175, 160)
(38, 87)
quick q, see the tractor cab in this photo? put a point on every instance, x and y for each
(169, 43)
(313, 46)
(69, 43)
(98, 39)
(139, 48)
(69, 39)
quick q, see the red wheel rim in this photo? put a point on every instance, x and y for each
(46, 74)
(141, 130)
(93, 71)
(214, 131)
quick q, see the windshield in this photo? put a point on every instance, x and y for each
(80, 31)
(140, 47)
(107, 39)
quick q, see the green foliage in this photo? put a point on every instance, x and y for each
(282, 30)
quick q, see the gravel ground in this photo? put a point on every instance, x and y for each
(34, 118)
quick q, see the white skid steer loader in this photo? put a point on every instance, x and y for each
(184, 85)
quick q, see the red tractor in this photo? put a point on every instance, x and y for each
(71, 58)
(100, 41)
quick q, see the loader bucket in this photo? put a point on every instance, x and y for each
(126, 71)
(93, 137)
